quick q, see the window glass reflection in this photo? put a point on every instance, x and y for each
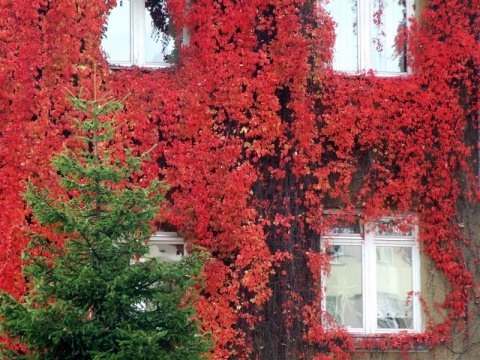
(387, 16)
(394, 283)
(166, 252)
(344, 13)
(344, 293)
(158, 47)
(117, 39)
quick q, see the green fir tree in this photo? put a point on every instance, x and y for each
(90, 298)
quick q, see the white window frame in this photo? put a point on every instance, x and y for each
(369, 241)
(137, 39)
(364, 29)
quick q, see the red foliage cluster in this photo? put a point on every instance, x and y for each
(257, 136)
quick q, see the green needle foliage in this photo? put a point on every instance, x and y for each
(90, 298)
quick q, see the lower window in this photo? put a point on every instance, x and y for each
(374, 277)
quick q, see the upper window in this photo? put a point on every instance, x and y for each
(132, 39)
(365, 35)
(374, 278)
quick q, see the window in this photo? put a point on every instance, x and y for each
(365, 34)
(374, 276)
(166, 246)
(131, 38)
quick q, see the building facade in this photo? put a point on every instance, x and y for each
(324, 153)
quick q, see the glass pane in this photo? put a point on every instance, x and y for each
(388, 16)
(343, 226)
(344, 293)
(344, 13)
(394, 227)
(394, 282)
(167, 252)
(158, 46)
(117, 39)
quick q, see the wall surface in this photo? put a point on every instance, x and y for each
(257, 136)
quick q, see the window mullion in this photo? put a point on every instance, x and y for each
(410, 13)
(138, 19)
(365, 282)
(370, 279)
(363, 28)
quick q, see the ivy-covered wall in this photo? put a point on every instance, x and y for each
(257, 136)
